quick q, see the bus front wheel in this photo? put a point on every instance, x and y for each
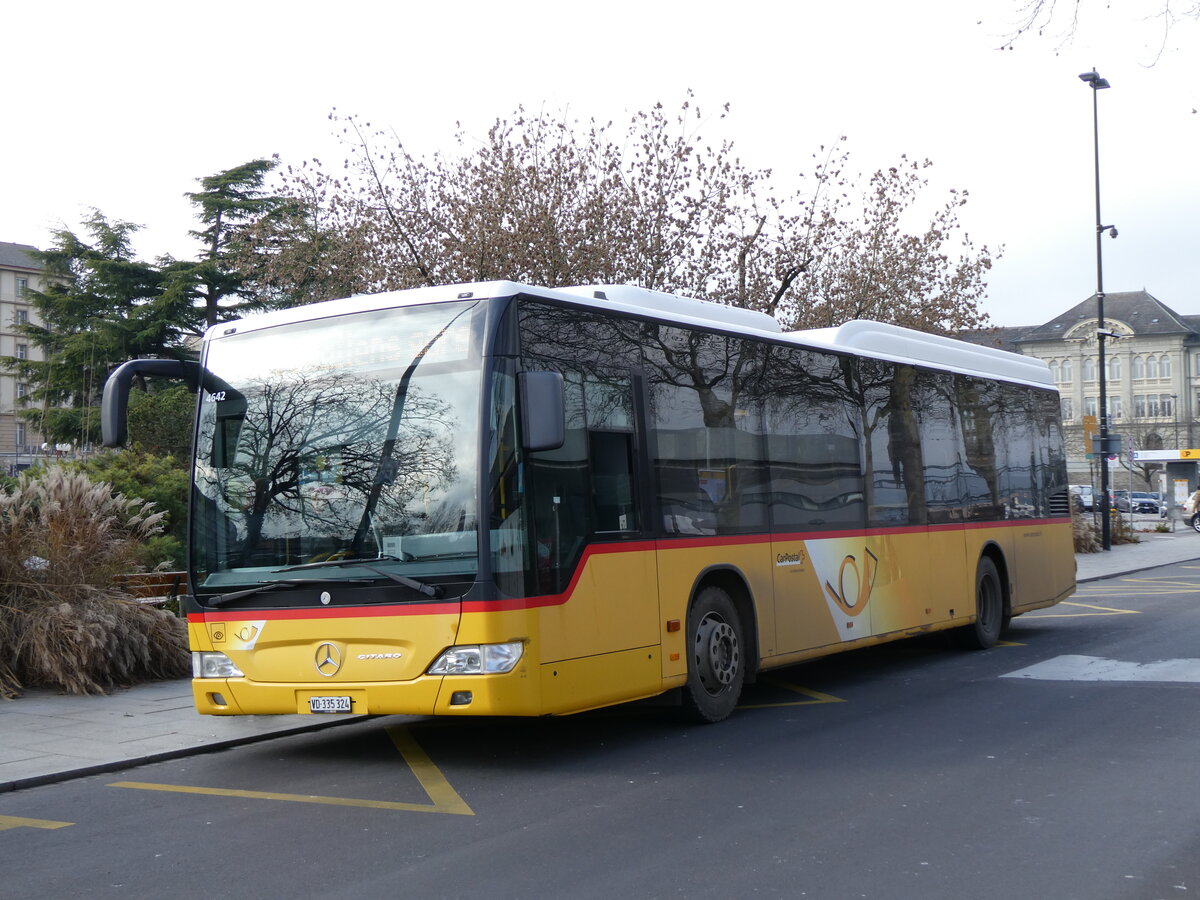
(716, 665)
(990, 620)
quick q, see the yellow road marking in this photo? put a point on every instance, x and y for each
(1127, 591)
(1098, 611)
(815, 697)
(7, 822)
(1159, 586)
(1182, 587)
(445, 798)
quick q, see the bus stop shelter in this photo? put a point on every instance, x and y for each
(1179, 479)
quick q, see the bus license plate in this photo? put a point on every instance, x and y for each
(329, 704)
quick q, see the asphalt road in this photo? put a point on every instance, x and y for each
(1047, 767)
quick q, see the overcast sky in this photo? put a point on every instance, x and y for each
(121, 105)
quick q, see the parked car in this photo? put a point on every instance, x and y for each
(1138, 502)
(1083, 492)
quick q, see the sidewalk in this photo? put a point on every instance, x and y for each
(1155, 549)
(47, 737)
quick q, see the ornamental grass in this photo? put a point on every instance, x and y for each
(63, 623)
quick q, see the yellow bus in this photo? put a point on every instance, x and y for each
(497, 499)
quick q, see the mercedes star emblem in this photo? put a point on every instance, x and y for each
(328, 659)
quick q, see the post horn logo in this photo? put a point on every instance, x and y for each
(328, 659)
(865, 581)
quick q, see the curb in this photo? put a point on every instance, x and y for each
(1133, 571)
(18, 784)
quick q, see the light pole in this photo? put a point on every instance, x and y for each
(1093, 80)
(1175, 420)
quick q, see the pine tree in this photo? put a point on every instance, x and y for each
(228, 203)
(100, 307)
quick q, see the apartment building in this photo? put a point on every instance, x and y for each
(20, 272)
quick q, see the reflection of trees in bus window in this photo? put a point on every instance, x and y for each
(308, 452)
(608, 401)
(979, 404)
(892, 450)
(706, 418)
(350, 436)
(578, 336)
(813, 421)
(1050, 479)
(940, 446)
(1008, 432)
(1016, 453)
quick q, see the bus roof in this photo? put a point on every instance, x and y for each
(906, 345)
(858, 337)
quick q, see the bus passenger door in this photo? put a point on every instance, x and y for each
(593, 552)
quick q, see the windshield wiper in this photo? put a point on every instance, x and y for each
(429, 590)
(456, 554)
(222, 599)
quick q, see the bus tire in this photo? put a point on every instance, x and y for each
(990, 617)
(716, 661)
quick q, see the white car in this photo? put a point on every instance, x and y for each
(1084, 493)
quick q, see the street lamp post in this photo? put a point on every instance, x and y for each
(1096, 83)
(1175, 420)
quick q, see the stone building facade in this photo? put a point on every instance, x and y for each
(1153, 377)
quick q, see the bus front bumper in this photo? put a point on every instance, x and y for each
(511, 694)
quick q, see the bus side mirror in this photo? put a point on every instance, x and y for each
(542, 410)
(115, 404)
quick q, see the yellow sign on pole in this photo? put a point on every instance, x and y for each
(1090, 427)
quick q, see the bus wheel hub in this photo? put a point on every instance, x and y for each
(717, 653)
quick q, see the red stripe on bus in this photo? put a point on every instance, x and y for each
(339, 612)
(538, 601)
(716, 541)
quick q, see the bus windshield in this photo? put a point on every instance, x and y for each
(342, 439)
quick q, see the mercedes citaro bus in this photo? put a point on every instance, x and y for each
(497, 499)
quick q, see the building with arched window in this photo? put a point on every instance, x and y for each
(1153, 372)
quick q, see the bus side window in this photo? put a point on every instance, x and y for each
(585, 487)
(608, 402)
(562, 517)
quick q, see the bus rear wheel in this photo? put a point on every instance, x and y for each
(716, 666)
(990, 619)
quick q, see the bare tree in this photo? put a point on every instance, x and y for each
(1060, 19)
(553, 201)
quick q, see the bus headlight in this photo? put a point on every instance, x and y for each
(207, 664)
(478, 659)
